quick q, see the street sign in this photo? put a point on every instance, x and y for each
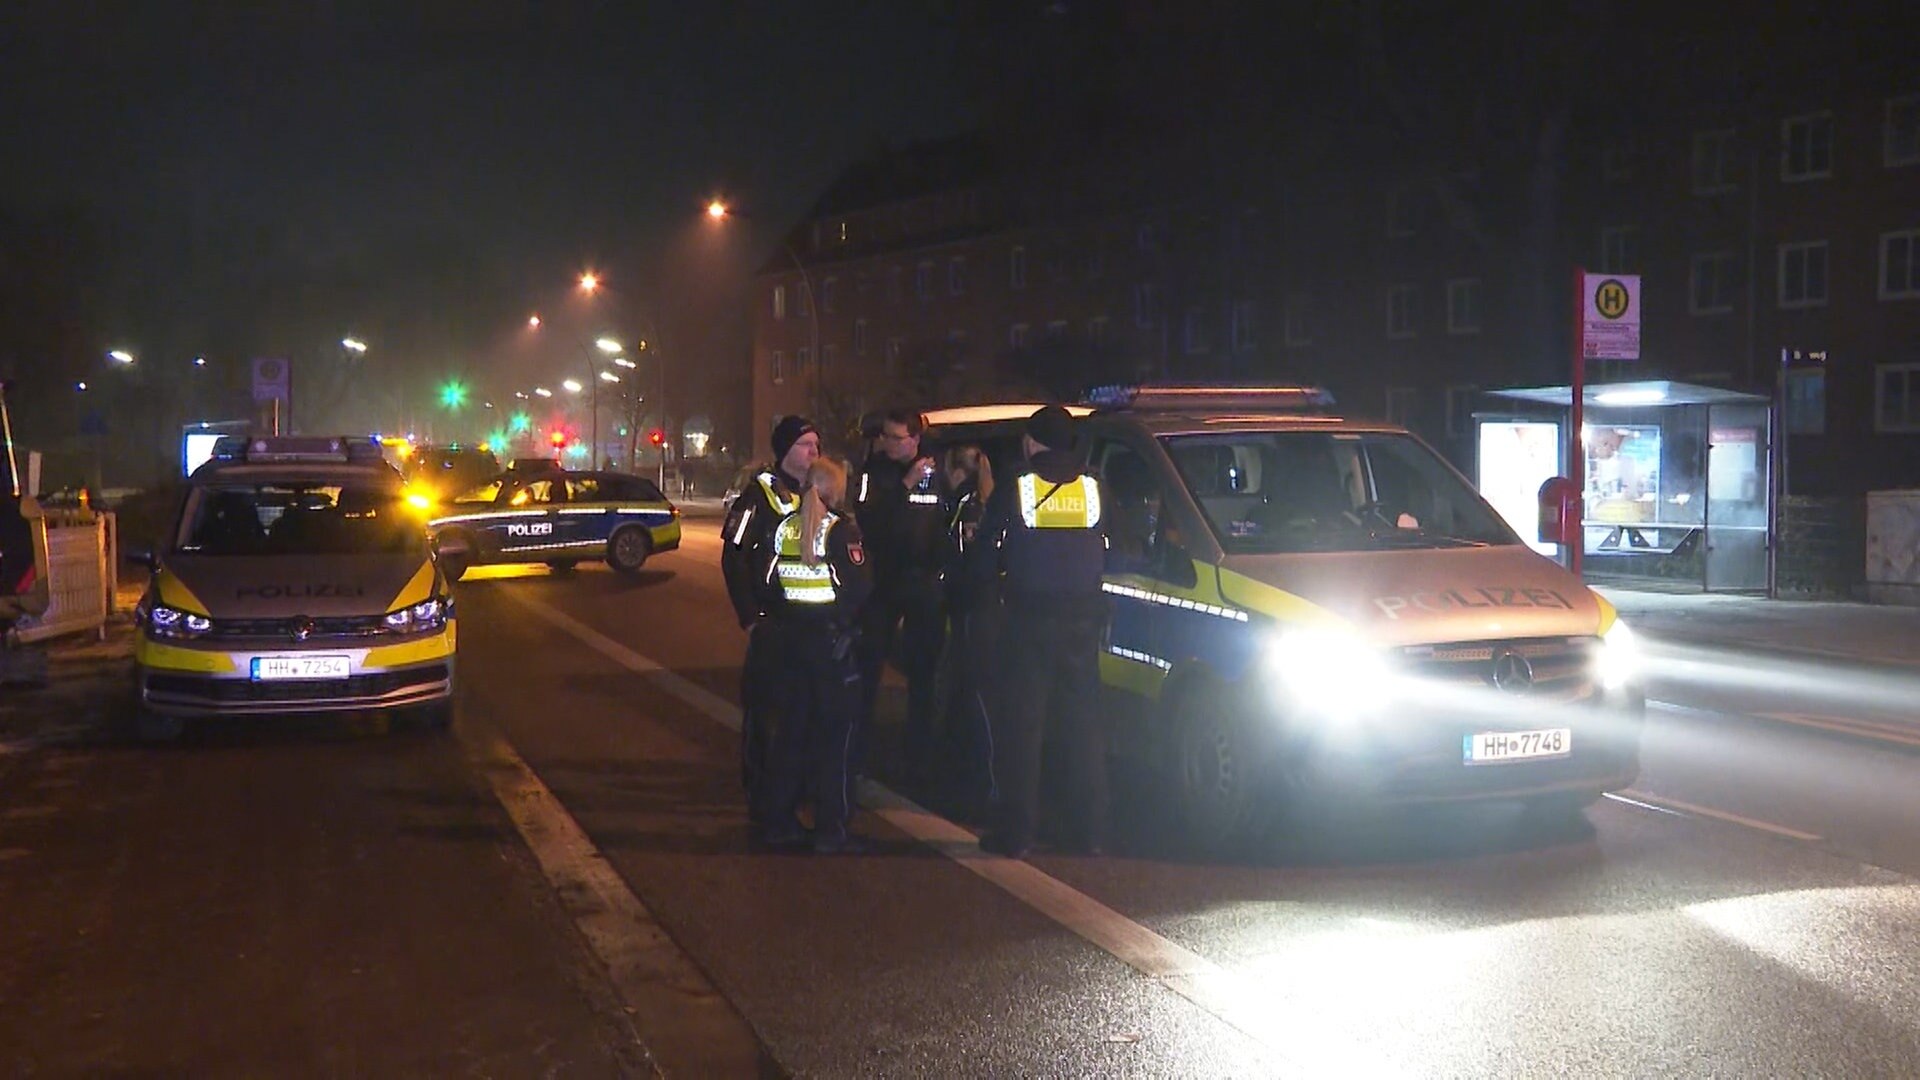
(272, 379)
(1610, 326)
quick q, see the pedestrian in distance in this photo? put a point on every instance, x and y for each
(816, 582)
(746, 536)
(1051, 541)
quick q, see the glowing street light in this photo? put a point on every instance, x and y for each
(542, 391)
(571, 386)
(121, 356)
(533, 322)
(80, 386)
(624, 362)
(608, 376)
(353, 344)
(199, 361)
(717, 210)
(589, 281)
(610, 346)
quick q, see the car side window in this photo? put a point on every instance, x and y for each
(587, 489)
(539, 493)
(1133, 498)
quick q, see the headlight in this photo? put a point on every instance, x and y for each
(426, 615)
(172, 622)
(1329, 671)
(1619, 662)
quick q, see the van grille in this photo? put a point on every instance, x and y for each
(331, 628)
(1549, 667)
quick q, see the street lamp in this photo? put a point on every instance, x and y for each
(609, 346)
(571, 386)
(533, 322)
(590, 283)
(718, 212)
(542, 391)
(608, 376)
(353, 344)
(624, 362)
(120, 356)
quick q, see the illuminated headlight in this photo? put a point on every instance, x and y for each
(1334, 672)
(1619, 661)
(427, 615)
(172, 622)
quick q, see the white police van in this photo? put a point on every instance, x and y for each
(295, 578)
(1306, 606)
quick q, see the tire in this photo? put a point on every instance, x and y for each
(628, 549)
(562, 566)
(1219, 780)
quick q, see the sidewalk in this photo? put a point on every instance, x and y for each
(1865, 633)
(89, 685)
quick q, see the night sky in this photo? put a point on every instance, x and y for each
(443, 168)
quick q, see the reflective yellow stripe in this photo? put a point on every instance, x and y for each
(799, 582)
(418, 590)
(1072, 505)
(780, 503)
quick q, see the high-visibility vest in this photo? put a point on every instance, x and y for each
(799, 582)
(1072, 505)
(782, 504)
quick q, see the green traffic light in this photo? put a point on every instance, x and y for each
(453, 395)
(520, 423)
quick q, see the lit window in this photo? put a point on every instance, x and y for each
(1463, 306)
(1403, 310)
(779, 301)
(1806, 147)
(1900, 265)
(779, 366)
(1803, 275)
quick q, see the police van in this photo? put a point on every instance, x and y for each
(1307, 609)
(294, 578)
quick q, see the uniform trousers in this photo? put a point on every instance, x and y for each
(1050, 675)
(759, 695)
(912, 607)
(813, 721)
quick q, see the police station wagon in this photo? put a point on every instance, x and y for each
(557, 517)
(1306, 606)
(295, 578)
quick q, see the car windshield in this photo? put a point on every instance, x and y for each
(1285, 491)
(298, 519)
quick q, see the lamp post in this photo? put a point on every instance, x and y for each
(718, 211)
(588, 282)
(592, 284)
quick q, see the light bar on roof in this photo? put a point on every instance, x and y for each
(981, 414)
(1187, 398)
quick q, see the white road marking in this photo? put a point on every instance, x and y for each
(1865, 729)
(1647, 801)
(1286, 1034)
(23, 813)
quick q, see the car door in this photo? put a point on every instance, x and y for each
(1135, 659)
(525, 525)
(587, 517)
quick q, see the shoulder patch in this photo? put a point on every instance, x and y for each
(857, 553)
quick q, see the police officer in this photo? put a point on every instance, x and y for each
(973, 620)
(745, 539)
(1052, 543)
(902, 515)
(816, 581)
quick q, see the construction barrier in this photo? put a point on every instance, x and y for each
(82, 575)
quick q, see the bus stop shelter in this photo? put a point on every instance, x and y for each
(1679, 490)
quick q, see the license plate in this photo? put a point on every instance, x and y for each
(1497, 747)
(267, 668)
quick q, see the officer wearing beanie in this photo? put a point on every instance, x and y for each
(746, 538)
(1052, 543)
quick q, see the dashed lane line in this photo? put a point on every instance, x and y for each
(1662, 804)
(1841, 725)
(1295, 1044)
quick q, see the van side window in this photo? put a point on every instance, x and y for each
(1134, 500)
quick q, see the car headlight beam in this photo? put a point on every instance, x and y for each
(172, 622)
(1330, 672)
(1619, 660)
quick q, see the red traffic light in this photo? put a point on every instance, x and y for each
(657, 437)
(558, 438)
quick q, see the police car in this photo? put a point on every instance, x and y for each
(557, 517)
(294, 578)
(1306, 606)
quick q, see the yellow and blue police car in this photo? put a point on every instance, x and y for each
(294, 579)
(1306, 607)
(558, 517)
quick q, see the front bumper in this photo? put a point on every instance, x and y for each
(196, 680)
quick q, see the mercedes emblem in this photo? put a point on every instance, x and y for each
(1512, 672)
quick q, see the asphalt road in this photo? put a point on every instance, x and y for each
(565, 886)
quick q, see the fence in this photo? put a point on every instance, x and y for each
(1893, 547)
(82, 560)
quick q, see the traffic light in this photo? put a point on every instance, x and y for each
(558, 438)
(657, 437)
(521, 422)
(453, 395)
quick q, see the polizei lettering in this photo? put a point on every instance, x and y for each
(1440, 601)
(529, 528)
(292, 592)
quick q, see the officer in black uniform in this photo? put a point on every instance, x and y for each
(902, 515)
(973, 622)
(816, 581)
(1052, 543)
(745, 539)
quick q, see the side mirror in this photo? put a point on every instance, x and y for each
(451, 546)
(1560, 512)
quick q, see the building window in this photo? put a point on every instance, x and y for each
(1400, 401)
(1403, 310)
(1246, 319)
(1900, 265)
(1193, 332)
(1097, 330)
(1900, 144)
(1896, 397)
(779, 366)
(1803, 275)
(859, 337)
(1617, 159)
(896, 283)
(1463, 306)
(957, 275)
(829, 289)
(1017, 268)
(779, 301)
(923, 280)
(1805, 410)
(1403, 212)
(1715, 276)
(1461, 398)
(1806, 147)
(1712, 161)
(1296, 317)
(1146, 305)
(828, 355)
(1619, 249)
(1017, 336)
(1057, 330)
(1147, 237)
(802, 359)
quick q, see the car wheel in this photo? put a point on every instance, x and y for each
(1219, 776)
(627, 551)
(562, 566)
